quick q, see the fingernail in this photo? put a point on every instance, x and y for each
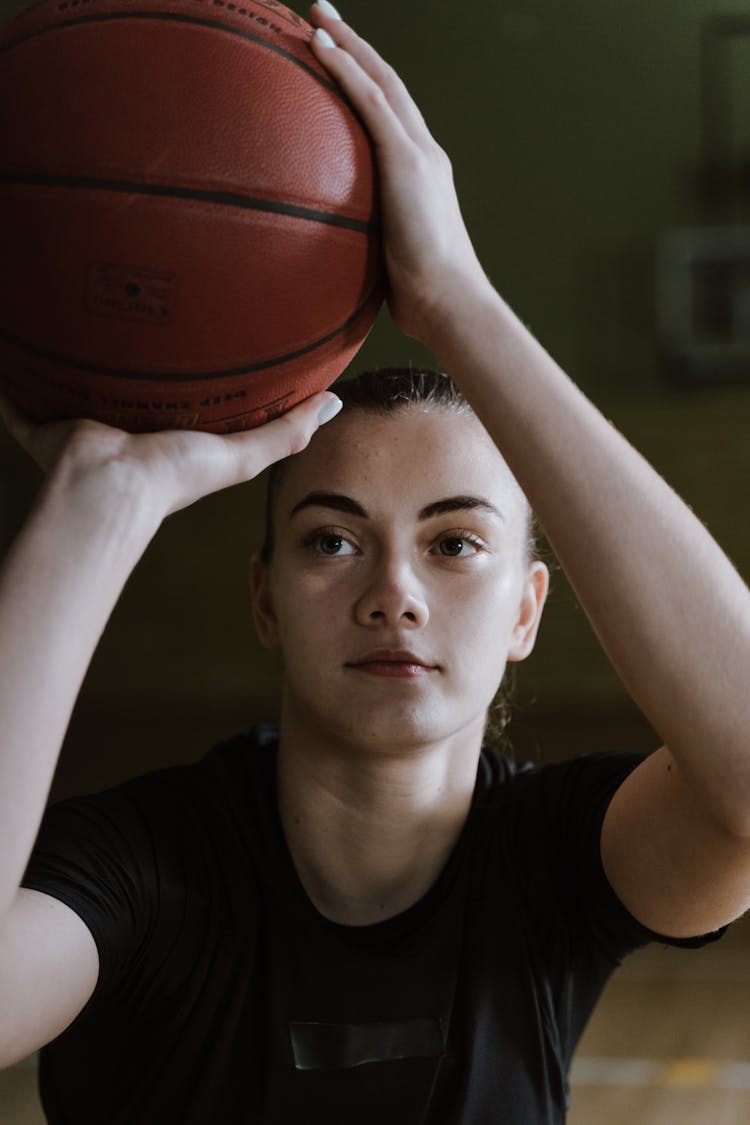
(322, 38)
(328, 9)
(329, 410)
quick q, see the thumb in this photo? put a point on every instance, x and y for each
(286, 435)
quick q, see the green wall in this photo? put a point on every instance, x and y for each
(574, 133)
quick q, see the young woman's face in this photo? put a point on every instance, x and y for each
(399, 585)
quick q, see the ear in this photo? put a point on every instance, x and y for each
(263, 611)
(533, 597)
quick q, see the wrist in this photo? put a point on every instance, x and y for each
(106, 502)
(457, 311)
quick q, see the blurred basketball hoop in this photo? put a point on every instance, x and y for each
(703, 302)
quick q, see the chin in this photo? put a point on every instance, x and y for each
(384, 727)
(399, 733)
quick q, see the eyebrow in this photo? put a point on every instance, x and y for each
(341, 503)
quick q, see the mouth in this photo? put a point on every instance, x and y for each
(394, 663)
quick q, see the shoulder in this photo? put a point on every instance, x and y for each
(137, 860)
(543, 822)
(583, 779)
(230, 767)
(540, 827)
(163, 809)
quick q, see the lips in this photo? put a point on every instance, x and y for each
(393, 663)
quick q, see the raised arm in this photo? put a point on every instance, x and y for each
(106, 494)
(669, 609)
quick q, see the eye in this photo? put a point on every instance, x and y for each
(329, 543)
(459, 546)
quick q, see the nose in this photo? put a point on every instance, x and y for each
(393, 597)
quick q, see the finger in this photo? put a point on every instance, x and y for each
(381, 121)
(381, 74)
(256, 449)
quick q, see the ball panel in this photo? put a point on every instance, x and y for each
(266, 128)
(266, 19)
(165, 286)
(220, 405)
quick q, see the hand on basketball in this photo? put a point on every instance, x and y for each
(172, 468)
(428, 251)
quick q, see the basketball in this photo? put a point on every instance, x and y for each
(188, 214)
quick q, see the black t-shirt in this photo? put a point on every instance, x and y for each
(225, 996)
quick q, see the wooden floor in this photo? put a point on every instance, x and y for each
(668, 1045)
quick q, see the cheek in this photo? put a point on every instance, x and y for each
(480, 619)
(308, 606)
(489, 599)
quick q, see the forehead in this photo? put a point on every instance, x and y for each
(402, 461)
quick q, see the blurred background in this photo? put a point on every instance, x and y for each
(602, 156)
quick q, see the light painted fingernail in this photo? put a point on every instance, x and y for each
(328, 9)
(322, 38)
(329, 410)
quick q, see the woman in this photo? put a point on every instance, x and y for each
(366, 916)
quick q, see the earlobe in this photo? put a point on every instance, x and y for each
(533, 598)
(263, 611)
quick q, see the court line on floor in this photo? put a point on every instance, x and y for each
(684, 1073)
(597, 1070)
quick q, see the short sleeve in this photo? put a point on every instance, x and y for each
(96, 855)
(561, 812)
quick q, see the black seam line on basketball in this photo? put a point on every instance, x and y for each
(181, 376)
(233, 417)
(173, 17)
(247, 202)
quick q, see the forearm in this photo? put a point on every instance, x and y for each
(669, 609)
(59, 584)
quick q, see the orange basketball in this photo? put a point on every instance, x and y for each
(188, 227)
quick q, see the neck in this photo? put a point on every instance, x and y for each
(370, 828)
